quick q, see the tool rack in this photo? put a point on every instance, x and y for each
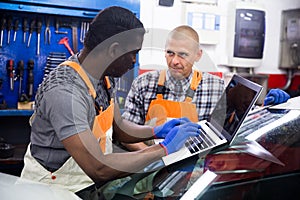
(63, 19)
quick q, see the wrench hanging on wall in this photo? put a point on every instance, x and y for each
(65, 41)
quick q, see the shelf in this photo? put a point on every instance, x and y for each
(48, 9)
(17, 157)
(75, 8)
(14, 165)
(14, 112)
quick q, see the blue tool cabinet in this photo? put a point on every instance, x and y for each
(65, 19)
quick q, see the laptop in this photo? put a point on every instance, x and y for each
(226, 118)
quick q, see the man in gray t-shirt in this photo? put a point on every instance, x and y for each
(61, 91)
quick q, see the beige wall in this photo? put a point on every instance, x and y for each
(159, 20)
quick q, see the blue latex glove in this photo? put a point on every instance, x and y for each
(162, 130)
(276, 96)
(178, 135)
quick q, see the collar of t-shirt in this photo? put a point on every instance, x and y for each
(103, 95)
(179, 86)
(93, 80)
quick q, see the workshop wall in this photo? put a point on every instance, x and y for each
(24, 62)
(39, 49)
(165, 19)
(37, 34)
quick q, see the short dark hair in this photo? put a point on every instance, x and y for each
(109, 22)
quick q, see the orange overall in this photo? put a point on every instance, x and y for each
(102, 127)
(161, 110)
(70, 176)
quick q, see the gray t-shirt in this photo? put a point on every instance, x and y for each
(63, 107)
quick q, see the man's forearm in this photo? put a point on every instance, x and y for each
(129, 132)
(101, 168)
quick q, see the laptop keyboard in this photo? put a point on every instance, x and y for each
(195, 144)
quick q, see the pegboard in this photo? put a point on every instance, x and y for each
(18, 50)
(72, 12)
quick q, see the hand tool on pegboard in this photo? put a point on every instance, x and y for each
(30, 78)
(31, 28)
(57, 24)
(73, 25)
(38, 30)
(74, 36)
(16, 28)
(9, 26)
(83, 29)
(65, 41)
(24, 28)
(47, 33)
(53, 60)
(11, 73)
(20, 72)
(2, 27)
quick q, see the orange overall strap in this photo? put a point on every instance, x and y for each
(197, 77)
(108, 85)
(82, 74)
(161, 84)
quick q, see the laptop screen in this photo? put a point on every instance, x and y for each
(235, 103)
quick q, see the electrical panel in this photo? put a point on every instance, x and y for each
(246, 34)
(290, 39)
(249, 34)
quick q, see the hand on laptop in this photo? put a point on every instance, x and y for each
(162, 130)
(178, 135)
(276, 96)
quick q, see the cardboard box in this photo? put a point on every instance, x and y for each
(26, 105)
